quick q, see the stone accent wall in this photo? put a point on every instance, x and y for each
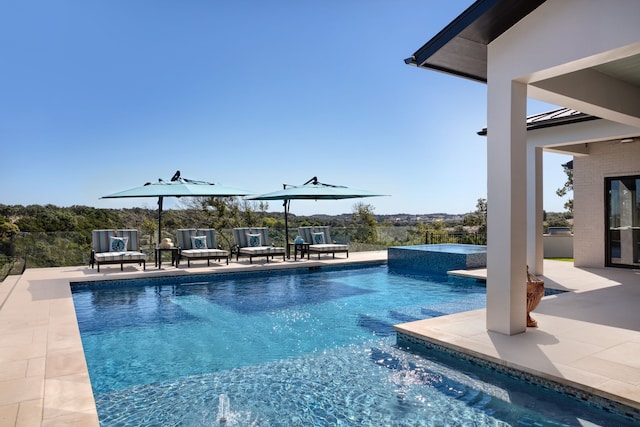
(605, 159)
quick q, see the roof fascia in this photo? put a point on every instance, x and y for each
(448, 33)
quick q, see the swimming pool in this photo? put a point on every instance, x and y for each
(294, 348)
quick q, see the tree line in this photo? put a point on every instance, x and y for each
(50, 235)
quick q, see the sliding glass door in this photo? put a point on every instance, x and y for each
(623, 221)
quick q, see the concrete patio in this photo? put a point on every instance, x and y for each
(588, 338)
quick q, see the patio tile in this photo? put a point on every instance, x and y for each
(13, 370)
(63, 363)
(620, 388)
(36, 367)
(625, 354)
(9, 414)
(22, 352)
(75, 419)
(67, 395)
(30, 413)
(18, 390)
(613, 370)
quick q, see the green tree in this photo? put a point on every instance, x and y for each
(365, 223)
(7, 228)
(568, 186)
(148, 228)
(225, 213)
(478, 218)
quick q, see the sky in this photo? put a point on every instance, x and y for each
(101, 96)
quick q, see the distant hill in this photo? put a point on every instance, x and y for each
(396, 219)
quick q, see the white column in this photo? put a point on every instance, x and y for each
(535, 218)
(507, 206)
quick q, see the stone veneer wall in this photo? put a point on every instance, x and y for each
(606, 159)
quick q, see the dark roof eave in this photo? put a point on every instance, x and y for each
(552, 123)
(460, 48)
(455, 72)
(452, 30)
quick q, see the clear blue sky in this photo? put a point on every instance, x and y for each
(101, 96)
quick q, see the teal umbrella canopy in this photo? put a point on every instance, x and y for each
(312, 190)
(315, 190)
(178, 187)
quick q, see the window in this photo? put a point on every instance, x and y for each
(622, 221)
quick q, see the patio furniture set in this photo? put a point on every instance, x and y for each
(123, 246)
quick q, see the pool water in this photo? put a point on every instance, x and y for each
(310, 348)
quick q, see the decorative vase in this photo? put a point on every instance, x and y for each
(535, 292)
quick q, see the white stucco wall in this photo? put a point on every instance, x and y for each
(562, 39)
(558, 246)
(608, 159)
(535, 58)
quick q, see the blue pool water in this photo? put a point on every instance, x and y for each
(314, 348)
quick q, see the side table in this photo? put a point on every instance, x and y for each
(158, 256)
(302, 248)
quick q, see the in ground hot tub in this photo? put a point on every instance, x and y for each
(436, 259)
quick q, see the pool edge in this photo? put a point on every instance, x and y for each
(598, 398)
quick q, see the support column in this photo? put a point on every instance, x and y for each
(507, 206)
(535, 217)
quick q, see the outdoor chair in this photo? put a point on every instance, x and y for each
(254, 242)
(199, 244)
(116, 247)
(320, 242)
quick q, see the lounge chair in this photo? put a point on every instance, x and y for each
(199, 244)
(116, 247)
(254, 242)
(320, 242)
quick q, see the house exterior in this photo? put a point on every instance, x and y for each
(583, 55)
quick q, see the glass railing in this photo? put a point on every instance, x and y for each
(59, 249)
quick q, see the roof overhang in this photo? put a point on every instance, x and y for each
(461, 47)
(559, 117)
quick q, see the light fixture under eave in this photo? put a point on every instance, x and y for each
(627, 140)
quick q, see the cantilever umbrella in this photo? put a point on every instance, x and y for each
(311, 190)
(178, 187)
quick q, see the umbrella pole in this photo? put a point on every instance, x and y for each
(286, 228)
(159, 219)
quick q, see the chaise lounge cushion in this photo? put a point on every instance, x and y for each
(255, 242)
(319, 241)
(203, 253)
(116, 247)
(200, 244)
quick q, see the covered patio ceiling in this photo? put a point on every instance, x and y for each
(460, 49)
(610, 83)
